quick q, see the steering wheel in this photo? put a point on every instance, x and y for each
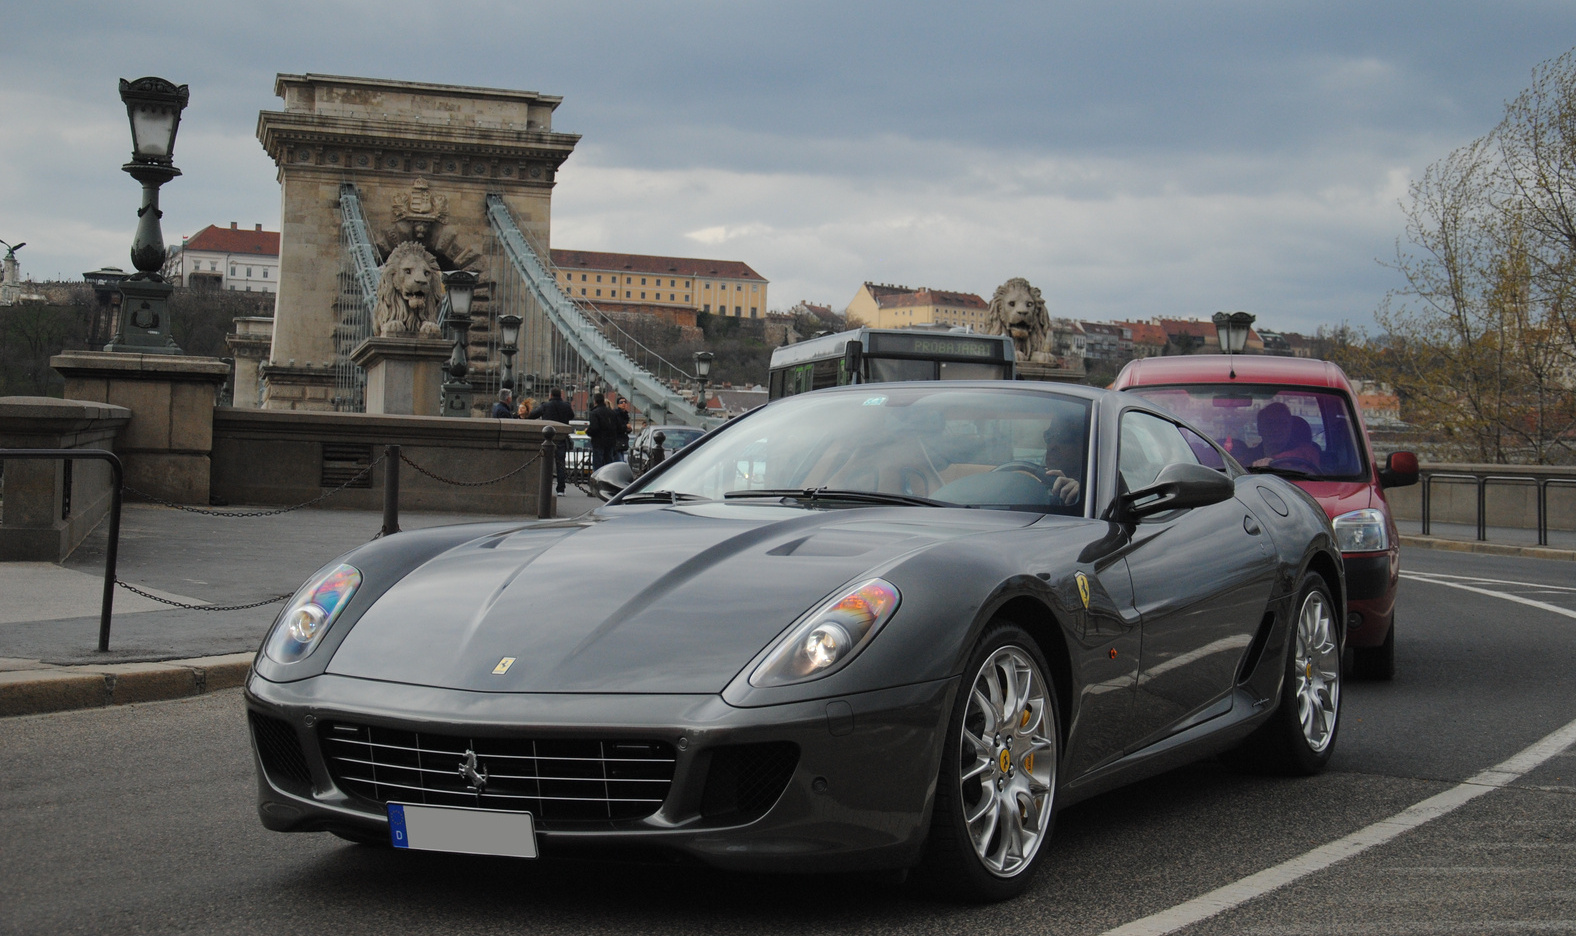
(1295, 463)
(1028, 468)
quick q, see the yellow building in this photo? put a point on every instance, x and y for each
(884, 306)
(720, 287)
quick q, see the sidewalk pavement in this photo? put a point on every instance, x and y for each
(49, 613)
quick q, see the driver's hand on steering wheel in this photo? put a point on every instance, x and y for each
(1063, 488)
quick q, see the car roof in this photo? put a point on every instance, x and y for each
(1038, 386)
(1218, 368)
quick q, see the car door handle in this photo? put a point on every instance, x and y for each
(1252, 526)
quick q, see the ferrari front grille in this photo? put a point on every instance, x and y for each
(561, 782)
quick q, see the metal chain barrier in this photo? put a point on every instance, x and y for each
(260, 513)
(191, 607)
(442, 480)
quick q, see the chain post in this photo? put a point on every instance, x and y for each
(659, 452)
(390, 490)
(544, 487)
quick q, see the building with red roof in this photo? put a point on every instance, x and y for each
(231, 258)
(721, 287)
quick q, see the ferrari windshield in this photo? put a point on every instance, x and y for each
(883, 443)
(1303, 431)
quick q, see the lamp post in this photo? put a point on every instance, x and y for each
(703, 361)
(154, 107)
(457, 393)
(1231, 333)
(510, 326)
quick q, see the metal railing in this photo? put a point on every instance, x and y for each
(116, 485)
(1540, 478)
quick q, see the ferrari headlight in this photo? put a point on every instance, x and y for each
(309, 614)
(829, 636)
(1361, 531)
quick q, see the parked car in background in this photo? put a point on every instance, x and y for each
(644, 444)
(879, 626)
(1296, 418)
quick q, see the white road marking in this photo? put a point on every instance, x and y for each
(1541, 605)
(1491, 581)
(1257, 885)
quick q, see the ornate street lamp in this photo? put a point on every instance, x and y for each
(154, 107)
(703, 361)
(1231, 333)
(510, 326)
(457, 392)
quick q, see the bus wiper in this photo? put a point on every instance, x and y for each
(664, 496)
(864, 497)
(1292, 473)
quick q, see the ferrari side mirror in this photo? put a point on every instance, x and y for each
(1178, 487)
(608, 480)
(1400, 470)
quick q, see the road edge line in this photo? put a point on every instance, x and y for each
(1239, 892)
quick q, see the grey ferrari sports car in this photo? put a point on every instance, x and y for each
(876, 626)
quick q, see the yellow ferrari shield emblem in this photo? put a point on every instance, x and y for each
(1083, 588)
(503, 666)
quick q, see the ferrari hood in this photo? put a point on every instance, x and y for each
(673, 600)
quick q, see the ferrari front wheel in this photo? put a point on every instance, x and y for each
(995, 796)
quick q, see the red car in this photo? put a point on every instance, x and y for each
(1296, 418)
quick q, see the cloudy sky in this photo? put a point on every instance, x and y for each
(1133, 159)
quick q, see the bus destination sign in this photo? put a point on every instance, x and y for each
(935, 345)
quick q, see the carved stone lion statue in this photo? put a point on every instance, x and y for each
(1018, 310)
(408, 294)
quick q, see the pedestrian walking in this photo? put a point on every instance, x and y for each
(504, 408)
(557, 410)
(602, 429)
(526, 406)
(622, 414)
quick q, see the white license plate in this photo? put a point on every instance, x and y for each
(457, 829)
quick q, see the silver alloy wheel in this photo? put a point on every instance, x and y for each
(1008, 761)
(1318, 672)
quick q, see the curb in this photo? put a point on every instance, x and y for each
(57, 689)
(1491, 549)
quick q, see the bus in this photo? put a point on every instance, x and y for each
(877, 355)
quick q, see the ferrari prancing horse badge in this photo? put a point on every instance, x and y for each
(1083, 588)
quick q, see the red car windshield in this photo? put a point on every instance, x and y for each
(1301, 431)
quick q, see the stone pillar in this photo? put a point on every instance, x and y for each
(403, 374)
(250, 341)
(166, 444)
(289, 387)
(48, 508)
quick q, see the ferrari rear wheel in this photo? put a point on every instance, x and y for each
(996, 794)
(1300, 737)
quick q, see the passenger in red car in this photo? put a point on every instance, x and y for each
(1286, 439)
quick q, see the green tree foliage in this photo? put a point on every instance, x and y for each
(1481, 341)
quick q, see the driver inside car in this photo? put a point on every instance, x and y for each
(1064, 461)
(1286, 438)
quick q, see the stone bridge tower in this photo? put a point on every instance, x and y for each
(424, 157)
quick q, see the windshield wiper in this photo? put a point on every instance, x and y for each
(1284, 472)
(668, 497)
(863, 497)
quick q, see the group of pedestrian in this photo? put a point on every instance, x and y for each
(608, 429)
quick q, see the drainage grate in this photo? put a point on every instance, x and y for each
(343, 461)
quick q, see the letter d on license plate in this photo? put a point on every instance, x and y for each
(467, 831)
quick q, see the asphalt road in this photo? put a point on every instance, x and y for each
(140, 819)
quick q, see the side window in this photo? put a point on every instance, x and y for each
(1148, 444)
(1206, 454)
